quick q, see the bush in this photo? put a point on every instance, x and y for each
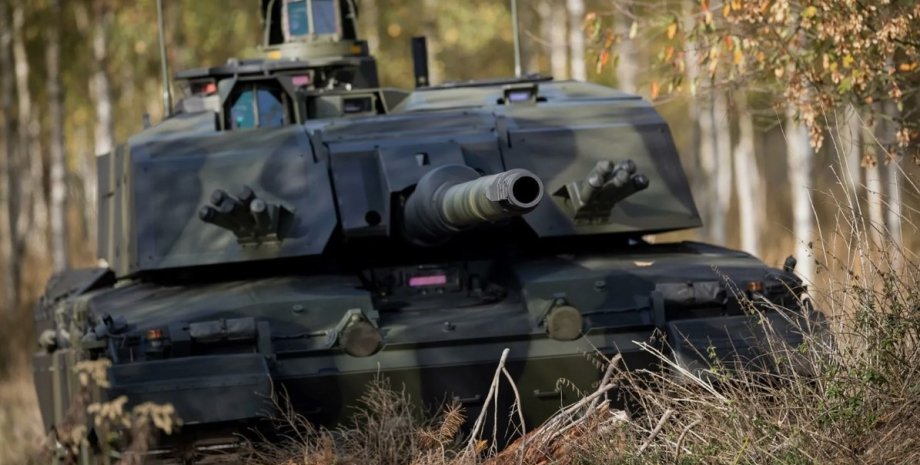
(849, 393)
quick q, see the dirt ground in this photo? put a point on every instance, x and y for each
(20, 423)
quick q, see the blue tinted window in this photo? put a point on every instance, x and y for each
(298, 25)
(241, 115)
(324, 20)
(271, 109)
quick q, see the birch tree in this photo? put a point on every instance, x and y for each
(369, 22)
(814, 58)
(891, 160)
(530, 49)
(703, 119)
(58, 181)
(848, 151)
(32, 214)
(7, 219)
(101, 91)
(722, 133)
(432, 34)
(748, 181)
(708, 121)
(627, 68)
(576, 12)
(799, 165)
(873, 186)
(552, 25)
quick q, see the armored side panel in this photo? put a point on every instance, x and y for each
(153, 188)
(563, 141)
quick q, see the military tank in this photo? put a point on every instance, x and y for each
(292, 225)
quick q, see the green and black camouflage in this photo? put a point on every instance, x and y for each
(294, 226)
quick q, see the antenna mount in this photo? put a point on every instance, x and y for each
(517, 39)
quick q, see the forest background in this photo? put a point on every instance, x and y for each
(785, 114)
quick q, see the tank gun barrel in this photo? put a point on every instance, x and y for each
(454, 197)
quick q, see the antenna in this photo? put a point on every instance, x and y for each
(268, 23)
(517, 39)
(420, 61)
(164, 67)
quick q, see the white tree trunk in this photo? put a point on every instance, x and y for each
(552, 29)
(895, 228)
(529, 19)
(58, 206)
(893, 186)
(577, 38)
(748, 182)
(8, 254)
(100, 87)
(709, 114)
(369, 19)
(22, 187)
(432, 34)
(104, 130)
(723, 166)
(849, 151)
(798, 160)
(32, 225)
(715, 144)
(876, 224)
(627, 68)
(703, 116)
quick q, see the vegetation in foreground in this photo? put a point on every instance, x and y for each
(847, 394)
(850, 393)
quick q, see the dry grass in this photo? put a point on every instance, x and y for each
(848, 394)
(387, 429)
(853, 398)
(23, 439)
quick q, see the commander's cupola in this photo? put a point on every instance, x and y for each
(310, 29)
(314, 66)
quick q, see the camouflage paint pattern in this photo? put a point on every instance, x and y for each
(242, 261)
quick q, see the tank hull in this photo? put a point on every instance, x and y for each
(439, 347)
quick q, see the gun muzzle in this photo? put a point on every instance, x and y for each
(452, 198)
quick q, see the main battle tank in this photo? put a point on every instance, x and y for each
(294, 226)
